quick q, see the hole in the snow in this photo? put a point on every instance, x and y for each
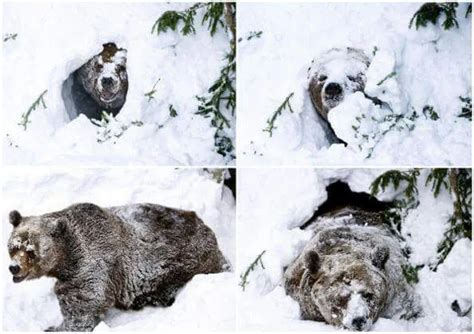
(100, 85)
(231, 181)
(341, 196)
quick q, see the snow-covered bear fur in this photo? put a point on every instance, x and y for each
(126, 257)
(350, 273)
(100, 85)
(333, 75)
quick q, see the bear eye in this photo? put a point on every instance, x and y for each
(99, 67)
(352, 78)
(31, 255)
(121, 68)
(322, 78)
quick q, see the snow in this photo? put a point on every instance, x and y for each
(430, 66)
(273, 203)
(55, 39)
(356, 308)
(207, 302)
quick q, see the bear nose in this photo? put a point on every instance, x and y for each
(14, 269)
(107, 82)
(358, 323)
(333, 89)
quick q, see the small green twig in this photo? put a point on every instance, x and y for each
(151, 93)
(388, 76)
(37, 103)
(243, 278)
(252, 35)
(8, 37)
(271, 121)
(173, 112)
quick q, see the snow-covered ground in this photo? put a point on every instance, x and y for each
(54, 39)
(432, 68)
(273, 203)
(207, 302)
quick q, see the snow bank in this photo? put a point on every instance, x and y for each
(55, 39)
(206, 302)
(411, 69)
(273, 203)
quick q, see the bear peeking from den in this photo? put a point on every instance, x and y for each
(100, 85)
(335, 74)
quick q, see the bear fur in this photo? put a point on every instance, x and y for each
(350, 273)
(98, 86)
(126, 257)
(332, 76)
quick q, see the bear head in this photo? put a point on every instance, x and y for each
(33, 246)
(334, 75)
(349, 292)
(105, 77)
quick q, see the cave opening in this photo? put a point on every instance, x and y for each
(340, 196)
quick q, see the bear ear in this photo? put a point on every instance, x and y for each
(14, 218)
(56, 227)
(109, 46)
(380, 256)
(312, 262)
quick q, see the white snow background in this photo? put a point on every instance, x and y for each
(273, 203)
(54, 39)
(433, 67)
(207, 302)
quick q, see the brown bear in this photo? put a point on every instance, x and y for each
(350, 273)
(98, 86)
(332, 76)
(126, 257)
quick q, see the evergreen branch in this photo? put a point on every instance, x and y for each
(388, 76)
(151, 93)
(173, 112)
(110, 128)
(222, 90)
(456, 181)
(244, 277)
(170, 20)
(395, 178)
(8, 37)
(213, 15)
(460, 223)
(466, 107)
(252, 35)
(438, 178)
(37, 103)
(221, 94)
(429, 112)
(395, 121)
(430, 12)
(271, 121)
(411, 273)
